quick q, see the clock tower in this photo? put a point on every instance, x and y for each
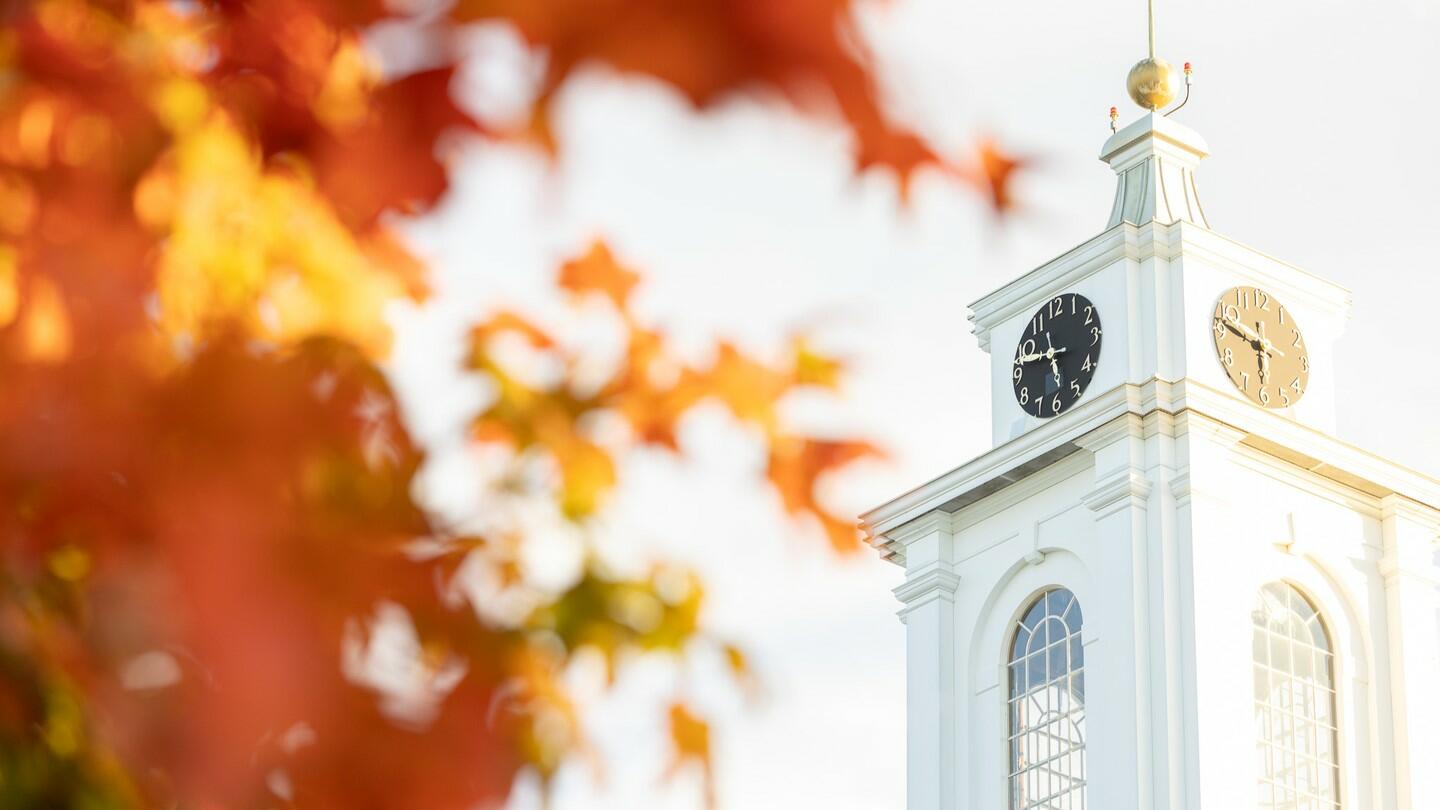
(1169, 584)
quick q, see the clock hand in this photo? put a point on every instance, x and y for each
(1258, 340)
(1241, 329)
(1269, 346)
(1055, 369)
(1046, 355)
(1265, 342)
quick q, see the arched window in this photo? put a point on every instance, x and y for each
(1047, 706)
(1294, 703)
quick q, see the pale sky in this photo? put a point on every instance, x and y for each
(748, 222)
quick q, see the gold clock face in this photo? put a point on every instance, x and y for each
(1260, 346)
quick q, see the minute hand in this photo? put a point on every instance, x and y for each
(1254, 337)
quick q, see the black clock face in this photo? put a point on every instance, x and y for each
(1057, 355)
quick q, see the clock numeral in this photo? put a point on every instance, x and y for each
(1094, 335)
(1072, 303)
(1297, 337)
(1055, 404)
(1037, 324)
(1244, 381)
(1089, 315)
(1015, 375)
(1231, 313)
(1264, 395)
(1304, 362)
(1087, 365)
(1282, 316)
(1075, 387)
(1229, 356)
(1024, 395)
(1057, 306)
(1262, 300)
(1219, 329)
(1028, 347)
(1295, 385)
(1242, 298)
(1284, 396)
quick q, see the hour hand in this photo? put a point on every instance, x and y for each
(1264, 342)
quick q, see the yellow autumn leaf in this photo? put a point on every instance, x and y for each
(587, 474)
(813, 368)
(45, 326)
(9, 284)
(260, 247)
(344, 100)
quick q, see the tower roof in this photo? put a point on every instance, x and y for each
(1155, 159)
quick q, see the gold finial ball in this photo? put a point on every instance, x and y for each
(1151, 83)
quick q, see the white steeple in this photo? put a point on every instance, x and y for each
(1167, 565)
(1155, 160)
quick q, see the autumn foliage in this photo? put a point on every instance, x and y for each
(208, 489)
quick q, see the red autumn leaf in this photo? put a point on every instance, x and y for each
(993, 172)
(712, 49)
(210, 488)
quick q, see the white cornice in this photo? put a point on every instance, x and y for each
(1043, 479)
(892, 544)
(1315, 483)
(1293, 284)
(1186, 401)
(1410, 554)
(922, 526)
(1400, 506)
(1061, 272)
(1013, 461)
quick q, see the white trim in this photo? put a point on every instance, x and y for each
(1301, 446)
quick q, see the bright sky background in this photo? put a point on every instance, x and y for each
(1322, 119)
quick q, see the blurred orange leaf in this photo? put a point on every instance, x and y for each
(993, 171)
(598, 272)
(210, 488)
(796, 465)
(710, 50)
(690, 737)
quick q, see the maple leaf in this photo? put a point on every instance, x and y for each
(992, 171)
(598, 272)
(796, 465)
(209, 482)
(713, 49)
(748, 388)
